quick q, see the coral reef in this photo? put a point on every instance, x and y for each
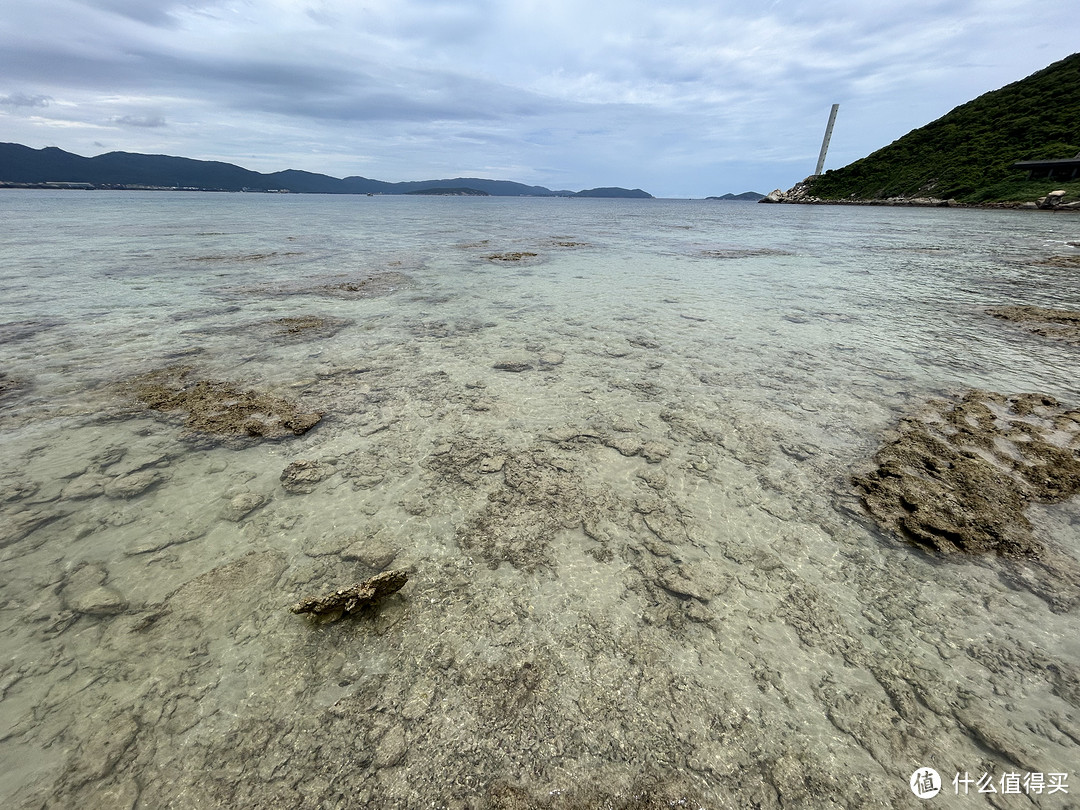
(218, 408)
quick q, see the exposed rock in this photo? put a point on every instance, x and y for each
(1051, 200)
(301, 423)
(302, 476)
(958, 475)
(797, 193)
(1062, 324)
(241, 505)
(348, 600)
(218, 408)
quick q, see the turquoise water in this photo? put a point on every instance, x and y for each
(635, 567)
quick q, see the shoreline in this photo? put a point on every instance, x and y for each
(799, 195)
(932, 203)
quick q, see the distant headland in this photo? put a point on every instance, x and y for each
(24, 167)
(1016, 147)
(746, 196)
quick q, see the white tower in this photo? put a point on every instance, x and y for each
(825, 141)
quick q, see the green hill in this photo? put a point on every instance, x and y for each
(967, 154)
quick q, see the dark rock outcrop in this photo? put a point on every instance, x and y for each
(344, 601)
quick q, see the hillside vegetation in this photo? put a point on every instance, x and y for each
(966, 154)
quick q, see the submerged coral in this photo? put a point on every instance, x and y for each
(8, 385)
(218, 408)
(1063, 324)
(958, 476)
(510, 256)
(353, 286)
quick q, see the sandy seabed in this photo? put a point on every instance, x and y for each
(640, 574)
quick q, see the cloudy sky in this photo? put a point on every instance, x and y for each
(684, 98)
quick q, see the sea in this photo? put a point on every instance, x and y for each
(610, 442)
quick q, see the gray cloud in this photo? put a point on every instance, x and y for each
(151, 12)
(144, 121)
(680, 95)
(23, 100)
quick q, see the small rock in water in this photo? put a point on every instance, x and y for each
(133, 484)
(655, 452)
(101, 601)
(492, 464)
(85, 592)
(87, 485)
(517, 363)
(626, 445)
(240, 506)
(374, 554)
(301, 477)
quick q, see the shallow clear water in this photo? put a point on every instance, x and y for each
(636, 568)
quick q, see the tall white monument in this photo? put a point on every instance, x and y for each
(825, 142)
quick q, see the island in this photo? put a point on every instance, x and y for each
(450, 192)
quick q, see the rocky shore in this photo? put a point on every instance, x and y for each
(1056, 200)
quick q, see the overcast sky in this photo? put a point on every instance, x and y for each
(684, 98)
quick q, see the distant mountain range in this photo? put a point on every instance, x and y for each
(747, 196)
(52, 167)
